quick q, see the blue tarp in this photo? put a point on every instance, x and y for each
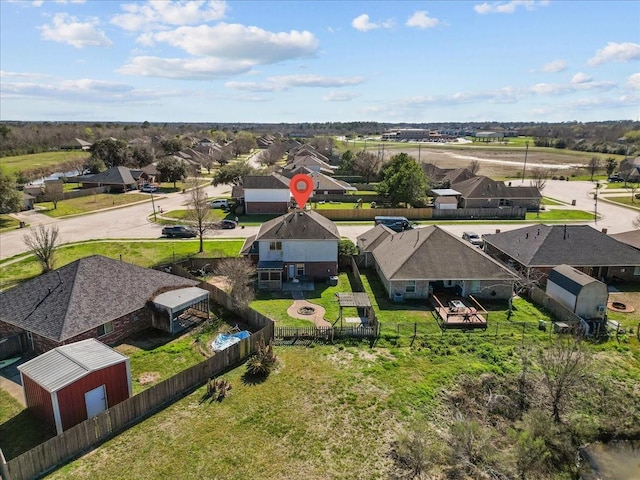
(225, 340)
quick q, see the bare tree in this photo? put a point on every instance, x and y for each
(636, 222)
(42, 243)
(198, 210)
(271, 155)
(240, 273)
(539, 178)
(593, 166)
(474, 166)
(367, 165)
(565, 368)
(634, 188)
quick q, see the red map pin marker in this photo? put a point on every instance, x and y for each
(301, 186)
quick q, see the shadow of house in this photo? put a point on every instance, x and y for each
(94, 297)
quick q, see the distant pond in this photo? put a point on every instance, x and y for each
(611, 461)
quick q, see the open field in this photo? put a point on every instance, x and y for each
(39, 160)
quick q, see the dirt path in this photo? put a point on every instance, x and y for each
(317, 317)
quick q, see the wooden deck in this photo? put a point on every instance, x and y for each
(463, 318)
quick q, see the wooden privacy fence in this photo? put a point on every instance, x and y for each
(559, 311)
(371, 213)
(85, 192)
(506, 213)
(96, 430)
(325, 334)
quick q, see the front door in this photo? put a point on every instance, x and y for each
(96, 401)
(292, 272)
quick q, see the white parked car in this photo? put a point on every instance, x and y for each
(149, 188)
(219, 203)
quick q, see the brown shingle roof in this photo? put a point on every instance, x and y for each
(299, 225)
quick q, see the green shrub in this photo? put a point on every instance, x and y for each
(262, 363)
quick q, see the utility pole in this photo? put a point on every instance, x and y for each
(595, 211)
(526, 151)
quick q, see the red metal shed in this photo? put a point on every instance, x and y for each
(71, 383)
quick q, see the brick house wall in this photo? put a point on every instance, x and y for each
(123, 327)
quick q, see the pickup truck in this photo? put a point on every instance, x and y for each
(180, 231)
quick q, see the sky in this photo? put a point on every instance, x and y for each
(319, 61)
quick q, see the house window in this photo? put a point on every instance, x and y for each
(275, 246)
(474, 286)
(410, 286)
(105, 329)
(636, 271)
(264, 276)
(299, 269)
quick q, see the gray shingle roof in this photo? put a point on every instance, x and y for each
(82, 295)
(113, 176)
(299, 225)
(631, 238)
(552, 245)
(273, 181)
(431, 253)
(370, 239)
(484, 187)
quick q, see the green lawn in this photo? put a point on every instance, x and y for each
(8, 223)
(145, 253)
(550, 201)
(628, 200)
(91, 203)
(559, 215)
(38, 160)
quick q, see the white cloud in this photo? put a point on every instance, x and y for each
(285, 82)
(554, 67)
(421, 19)
(509, 7)
(80, 90)
(26, 75)
(184, 68)
(581, 78)
(616, 52)
(67, 29)
(159, 13)
(338, 96)
(633, 82)
(363, 24)
(235, 42)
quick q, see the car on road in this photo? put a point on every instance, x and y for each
(225, 224)
(472, 238)
(179, 231)
(148, 188)
(219, 203)
(615, 178)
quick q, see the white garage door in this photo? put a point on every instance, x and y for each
(96, 401)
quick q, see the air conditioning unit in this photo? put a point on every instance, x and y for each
(601, 308)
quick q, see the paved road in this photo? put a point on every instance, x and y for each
(132, 221)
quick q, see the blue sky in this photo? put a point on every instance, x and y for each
(308, 61)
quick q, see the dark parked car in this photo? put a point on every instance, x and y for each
(180, 231)
(225, 224)
(615, 178)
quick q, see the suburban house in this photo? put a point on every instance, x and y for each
(117, 178)
(583, 295)
(368, 241)
(311, 162)
(539, 248)
(264, 194)
(306, 149)
(416, 263)
(631, 238)
(323, 184)
(299, 246)
(445, 176)
(483, 192)
(74, 382)
(96, 297)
